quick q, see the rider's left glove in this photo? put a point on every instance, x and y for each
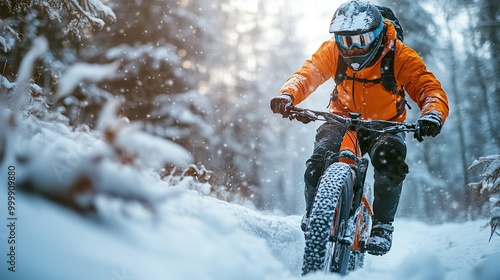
(428, 125)
(281, 104)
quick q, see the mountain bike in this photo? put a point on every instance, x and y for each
(341, 217)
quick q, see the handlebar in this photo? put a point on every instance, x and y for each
(377, 126)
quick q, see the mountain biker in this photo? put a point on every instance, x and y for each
(362, 37)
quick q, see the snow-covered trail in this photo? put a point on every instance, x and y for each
(197, 237)
(420, 251)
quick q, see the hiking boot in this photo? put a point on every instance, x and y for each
(304, 223)
(380, 239)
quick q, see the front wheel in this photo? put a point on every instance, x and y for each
(325, 248)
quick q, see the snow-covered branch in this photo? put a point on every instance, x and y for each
(21, 92)
(490, 184)
(86, 14)
(83, 15)
(7, 36)
(80, 72)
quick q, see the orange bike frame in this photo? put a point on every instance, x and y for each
(350, 143)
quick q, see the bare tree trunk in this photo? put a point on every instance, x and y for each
(482, 81)
(460, 119)
(489, 16)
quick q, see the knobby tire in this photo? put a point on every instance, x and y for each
(324, 248)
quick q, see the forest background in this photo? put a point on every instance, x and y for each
(201, 74)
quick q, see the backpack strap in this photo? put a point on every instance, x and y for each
(387, 72)
(389, 80)
(340, 75)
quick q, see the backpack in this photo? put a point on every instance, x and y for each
(386, 67)
(388, 14)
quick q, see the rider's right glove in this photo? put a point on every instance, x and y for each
(281, 104)
(428, 125)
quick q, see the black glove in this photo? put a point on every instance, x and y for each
(281, 104)
(428, 125)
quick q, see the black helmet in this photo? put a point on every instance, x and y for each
(360, 24)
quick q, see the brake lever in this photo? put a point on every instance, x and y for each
(302, 115)
(392, 129)
(310, 115)
(400, 128)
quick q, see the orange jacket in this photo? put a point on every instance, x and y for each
(371, 100)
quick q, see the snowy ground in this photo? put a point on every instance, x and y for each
(198, 237)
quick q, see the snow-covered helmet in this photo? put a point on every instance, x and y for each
(358, 23)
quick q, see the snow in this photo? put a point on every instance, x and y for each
(40, 46)
(360, 19)
(490, 183)
(198, 237)
(97, 5)
(81, 72)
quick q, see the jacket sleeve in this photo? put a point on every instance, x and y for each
(312, 74)
(420, 84)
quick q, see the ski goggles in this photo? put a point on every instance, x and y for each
(360, 40)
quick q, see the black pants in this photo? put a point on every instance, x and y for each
(387, 154)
